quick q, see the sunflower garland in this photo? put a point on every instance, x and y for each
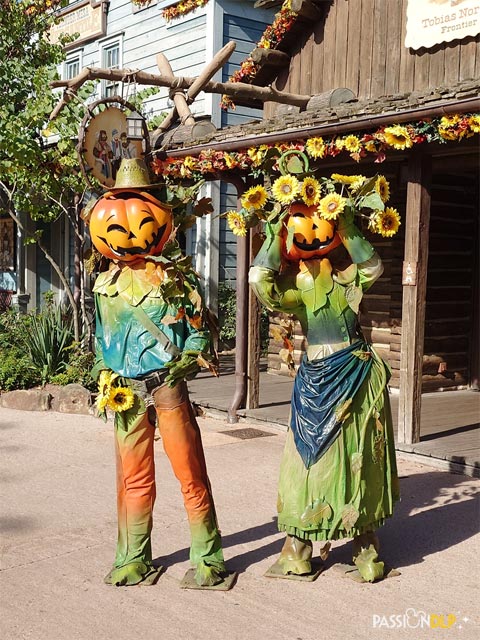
(178, 10)
(258, 203)
(271, 38)
(261, 159)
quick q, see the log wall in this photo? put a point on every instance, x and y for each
(360, 45)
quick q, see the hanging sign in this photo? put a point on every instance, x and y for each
(85, 19)
(430, 22)
(112, 130)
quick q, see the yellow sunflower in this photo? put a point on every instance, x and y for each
(257, 154)
(285, 189)
(254, 198)
(121, 399)
(340, 144)
(310, 191)
(387, 222)
(370, 146)
(331, 206)
(475, 123)
(338, 177)
(449, 121)
(105, 379)
(357, 183)
(236, 223)
(104, 388)
(449, 133)
(102, 399)
(398, 137)
(382, 187)
(230, 161)
(315, 147)
(352, 144)
(190, 162)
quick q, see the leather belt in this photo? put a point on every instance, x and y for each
(155, 379)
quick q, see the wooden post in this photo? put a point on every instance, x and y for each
(414, 282)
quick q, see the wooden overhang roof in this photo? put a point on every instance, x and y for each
(355, 115)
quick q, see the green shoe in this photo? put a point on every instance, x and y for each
(128, 575)
(208, 576)
(296, 556)
(365, 557)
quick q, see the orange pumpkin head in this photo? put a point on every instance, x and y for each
(312, 237)
(127, 225)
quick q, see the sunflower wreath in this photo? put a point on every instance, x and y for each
(334, 196)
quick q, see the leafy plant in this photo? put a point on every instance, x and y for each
(16, 372)
(227, 306)
(77, 370)
(16, 369)
(48, 342)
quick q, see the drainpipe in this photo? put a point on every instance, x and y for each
(241, 339)
(367, 122)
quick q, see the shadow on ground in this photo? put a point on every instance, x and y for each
(449, 515)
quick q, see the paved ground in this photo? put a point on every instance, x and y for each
(58, 528)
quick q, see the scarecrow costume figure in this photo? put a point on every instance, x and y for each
(338, 473)
(150, 337)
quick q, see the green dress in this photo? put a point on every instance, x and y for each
(353, 486)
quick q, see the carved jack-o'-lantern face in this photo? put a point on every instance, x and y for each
(128, 224)
(312, 235)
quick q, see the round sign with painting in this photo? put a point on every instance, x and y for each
(107, 136)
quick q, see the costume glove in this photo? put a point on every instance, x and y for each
(183, 367)
(358, 247)
(270, 254)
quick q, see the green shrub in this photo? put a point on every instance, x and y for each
(16, 372)
(80, 363)
(227, 313)
(37, 348)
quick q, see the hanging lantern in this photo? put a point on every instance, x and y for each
(135, 126)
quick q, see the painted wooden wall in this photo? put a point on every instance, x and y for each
(360, 45)
(245, 26)
(144, 33)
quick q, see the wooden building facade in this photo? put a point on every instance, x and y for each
(360, 46)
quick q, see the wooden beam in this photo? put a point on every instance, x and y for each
(270, 57)
(217, 62)
(182, 110)
(266, 4)
(306, 9)
(330, 98)
(236, 90)
(417, 222)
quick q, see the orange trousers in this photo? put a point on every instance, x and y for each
(136, 480)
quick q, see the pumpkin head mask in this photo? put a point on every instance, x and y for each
(127, 225)
(312, 237)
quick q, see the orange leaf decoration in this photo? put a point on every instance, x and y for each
(196, 321)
